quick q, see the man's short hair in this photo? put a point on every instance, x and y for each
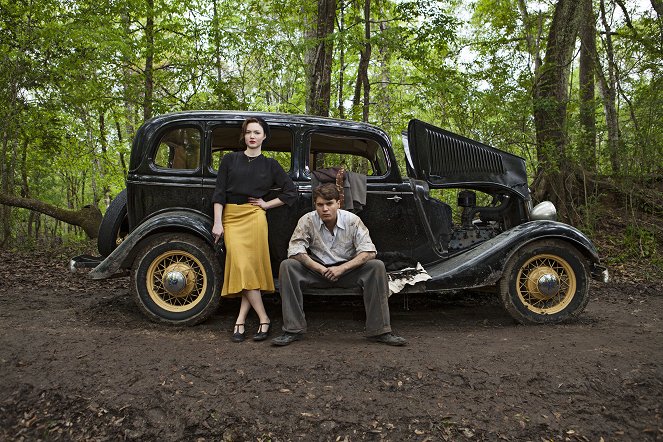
(327, 191)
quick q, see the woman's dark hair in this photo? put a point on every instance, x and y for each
(260, 121)
(327, 191)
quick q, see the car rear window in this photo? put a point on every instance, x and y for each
(179, 148)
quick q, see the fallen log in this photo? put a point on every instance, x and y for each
(88, 217)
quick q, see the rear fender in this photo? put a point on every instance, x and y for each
(484, 264)
(180, 220)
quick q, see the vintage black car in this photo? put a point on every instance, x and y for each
(159, 228)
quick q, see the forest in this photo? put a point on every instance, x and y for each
(574, 87)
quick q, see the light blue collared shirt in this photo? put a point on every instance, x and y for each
(349, 238)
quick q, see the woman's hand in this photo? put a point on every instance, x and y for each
(258, 202)
(217, 232)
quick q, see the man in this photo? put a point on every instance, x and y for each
(331, 247)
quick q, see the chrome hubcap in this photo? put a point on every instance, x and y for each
(543, 282)
(548, 285)
(178, 279)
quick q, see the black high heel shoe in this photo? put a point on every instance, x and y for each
(237, 336)
(262, 335)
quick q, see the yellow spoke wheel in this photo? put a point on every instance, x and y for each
(176, 278)
(176, 281)
(545, 282)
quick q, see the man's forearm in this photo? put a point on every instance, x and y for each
(305, 259)
(359, 260)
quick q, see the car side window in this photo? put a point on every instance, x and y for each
(354, 153)
(179, 148)
(225, 139)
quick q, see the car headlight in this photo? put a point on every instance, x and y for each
(545, 210)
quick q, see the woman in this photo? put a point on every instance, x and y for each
(244, 178)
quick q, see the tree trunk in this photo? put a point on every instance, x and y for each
(25, 187)
(149, 61)
(219, 88)
(658, 7)
(5, 188)
(363, 83)
(587, 140)
(88, 218)
(533, 41)
(216, 37)
(608, 88)
(128, 94)
(550, 103)
(320, 60)
(385, 71)
(16, 68)
(97, 166)
(341, 62)
(9, 138)
(104, 157)
(123, 163)
(12, 177)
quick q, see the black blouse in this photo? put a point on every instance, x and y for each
(238, 179)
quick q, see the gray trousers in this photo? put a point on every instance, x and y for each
(370, 277)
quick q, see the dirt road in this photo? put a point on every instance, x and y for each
(78, 362)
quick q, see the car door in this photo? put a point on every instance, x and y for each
(389, 211)
(169, 173)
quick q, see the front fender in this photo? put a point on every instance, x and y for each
(483, 265)
(179, 220)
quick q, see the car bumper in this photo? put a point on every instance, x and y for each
(599, 273)
(84, 262)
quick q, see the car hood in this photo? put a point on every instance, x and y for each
(445, 159)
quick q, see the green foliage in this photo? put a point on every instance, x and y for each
(638, 243)
(74, 76)
(499, 15)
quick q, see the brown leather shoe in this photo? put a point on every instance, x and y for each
(388, 338)
(286, 338)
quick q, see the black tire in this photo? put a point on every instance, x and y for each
(193, 292)
(545, 282)
(114, 226)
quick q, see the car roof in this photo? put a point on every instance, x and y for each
(332, 126)
(270, 117)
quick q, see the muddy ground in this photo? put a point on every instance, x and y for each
(78, 362)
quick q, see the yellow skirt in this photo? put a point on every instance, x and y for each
(247, 250)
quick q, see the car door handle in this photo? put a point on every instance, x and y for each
(395, 198)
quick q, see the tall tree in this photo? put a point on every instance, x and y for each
(550, 107)
(658, 7)
(149, 60)
(341, 60)
(587, 138)
(319, 60)
(23, 67)
(608, 78)
(362, 93)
